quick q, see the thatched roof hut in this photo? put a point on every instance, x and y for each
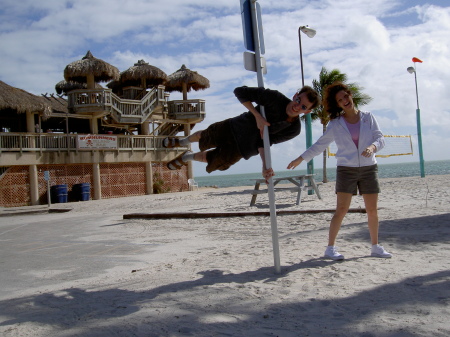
(63, 87)
(90, 70)
(61, 120)
(143, 75)
(20, 101)
(57, 104)
(15, 103)
(114, 85)
(184, 80)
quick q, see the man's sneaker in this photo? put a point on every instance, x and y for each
(332, 253)
(378, 251)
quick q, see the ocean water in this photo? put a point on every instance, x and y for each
(384, 171)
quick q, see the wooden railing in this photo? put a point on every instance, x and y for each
(137, 110)
(104, 101)
(26, 142)
(186, 108)
(122, 110)
(87, 101)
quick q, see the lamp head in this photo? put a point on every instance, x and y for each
(411, 70)
(308, 31)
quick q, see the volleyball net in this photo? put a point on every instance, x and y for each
(394, 146)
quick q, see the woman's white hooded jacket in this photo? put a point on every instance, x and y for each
(347, 153)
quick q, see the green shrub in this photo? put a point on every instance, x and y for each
(158, 184)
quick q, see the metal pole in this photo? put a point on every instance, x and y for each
(308, 127)
(419, 129)
(48, 194)
(47, 179)
(301, 55)
(268, 160)
(419, 140)
(417, 91)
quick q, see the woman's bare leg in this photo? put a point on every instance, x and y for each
(371, 203)
(343, 201)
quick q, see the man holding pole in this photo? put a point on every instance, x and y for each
(224, 143)
(256, 121)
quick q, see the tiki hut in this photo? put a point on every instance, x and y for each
(63, 87)
(18, 107)
(20, 101)
(56, 103)
(184, 80)
(60, 116)
(116, 87)
(90, 70)
(143, 75)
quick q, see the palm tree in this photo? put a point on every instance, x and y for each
(326, 78)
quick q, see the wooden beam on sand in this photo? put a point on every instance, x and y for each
(193, 215)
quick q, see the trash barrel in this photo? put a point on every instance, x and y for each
(59, 193)
(82, 191)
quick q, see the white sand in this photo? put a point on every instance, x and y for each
(216, 276)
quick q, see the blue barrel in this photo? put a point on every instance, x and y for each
(59, 193)
(82, 191)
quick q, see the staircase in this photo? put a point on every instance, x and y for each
(127, 113)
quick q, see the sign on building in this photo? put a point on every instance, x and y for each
(96, 142)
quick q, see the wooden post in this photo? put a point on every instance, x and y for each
(145, 128)
(34, 185)
(149, 177)
(97, 181)
(31, 128)
(184, 89)
(94, 125)
(90, 81)
(187, 133)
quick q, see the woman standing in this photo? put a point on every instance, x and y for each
(358, 138)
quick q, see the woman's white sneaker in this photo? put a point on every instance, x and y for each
(332, 253)
(379, 251)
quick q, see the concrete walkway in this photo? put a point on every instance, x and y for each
(9, 211)
(41, 248)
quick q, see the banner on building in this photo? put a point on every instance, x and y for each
(96, 142)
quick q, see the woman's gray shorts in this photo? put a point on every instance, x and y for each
(353, 179)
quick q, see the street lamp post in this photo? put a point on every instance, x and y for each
(308, 129)
(412, 70)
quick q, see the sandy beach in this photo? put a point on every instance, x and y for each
(90, 272)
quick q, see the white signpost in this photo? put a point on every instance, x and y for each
(254, 41)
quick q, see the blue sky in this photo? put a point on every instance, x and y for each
(372, 41)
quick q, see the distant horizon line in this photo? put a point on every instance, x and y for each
(320, 168)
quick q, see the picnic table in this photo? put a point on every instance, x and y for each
(300, 182)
